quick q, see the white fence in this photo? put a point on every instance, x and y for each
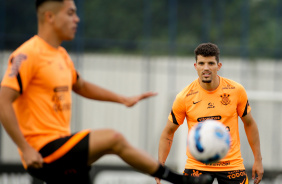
(143, 124)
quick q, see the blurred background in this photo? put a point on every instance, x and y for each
(147, 45)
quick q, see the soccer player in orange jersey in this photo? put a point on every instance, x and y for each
(35, 107)
(214, 97)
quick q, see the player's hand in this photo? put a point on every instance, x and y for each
(130, 101)
(257, 170)
(158, 180)
(32, 158)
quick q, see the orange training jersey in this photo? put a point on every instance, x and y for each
(224, 104)
(44, 76)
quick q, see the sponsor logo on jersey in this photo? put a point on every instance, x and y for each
(200, 119)
(210, 105)
(192, 92)
(59, 99)
(219, 164)
(228, 87)
(61, 88)
(16, 63)
(236, 174)
(196, 173)
(225, 99)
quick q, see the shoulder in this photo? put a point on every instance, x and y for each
(65, 53)
(63, 50)
(189, 90)
(231, 84)
(29, 49)
(27, 56)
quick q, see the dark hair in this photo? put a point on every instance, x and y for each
(207, 49)
(40, 2)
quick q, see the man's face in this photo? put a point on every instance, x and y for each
(66, 20)
(207, 68)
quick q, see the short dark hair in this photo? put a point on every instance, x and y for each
(40, 2)
(207, 49)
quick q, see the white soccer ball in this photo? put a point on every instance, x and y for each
(209, 141)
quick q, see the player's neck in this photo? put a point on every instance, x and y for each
(51, 38)
(212, 86)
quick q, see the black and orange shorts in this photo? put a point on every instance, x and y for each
(223, 177)
(65, 160)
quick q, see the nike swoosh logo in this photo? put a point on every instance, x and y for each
(196, 102)
(243, 181)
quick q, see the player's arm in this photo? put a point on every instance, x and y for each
(252, 133)
(165, 143)
(9, 121)
(166, 140)
(95, 92)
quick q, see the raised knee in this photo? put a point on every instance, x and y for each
(116, 137)
(117, 140)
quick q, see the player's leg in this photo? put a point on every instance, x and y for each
(232, 177)
(107, 141)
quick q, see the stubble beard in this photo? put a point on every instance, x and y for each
(206, 81)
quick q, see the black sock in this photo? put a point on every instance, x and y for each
(166, 174)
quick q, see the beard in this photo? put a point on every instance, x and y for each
(205, 78)
(206, 81)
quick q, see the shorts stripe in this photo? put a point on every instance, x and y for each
(66, 147)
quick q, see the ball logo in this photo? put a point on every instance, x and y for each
(218, 132)
(198, 137)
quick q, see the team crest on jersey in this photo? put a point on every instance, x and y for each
(16, 63)
(225, 99)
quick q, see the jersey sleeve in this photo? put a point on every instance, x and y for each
(243, 107)
(178, 111)
(19, 72)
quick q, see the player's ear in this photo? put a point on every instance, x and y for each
(195, 65)
(49, 16)
(219, 65)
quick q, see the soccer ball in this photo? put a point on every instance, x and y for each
(209, 141)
